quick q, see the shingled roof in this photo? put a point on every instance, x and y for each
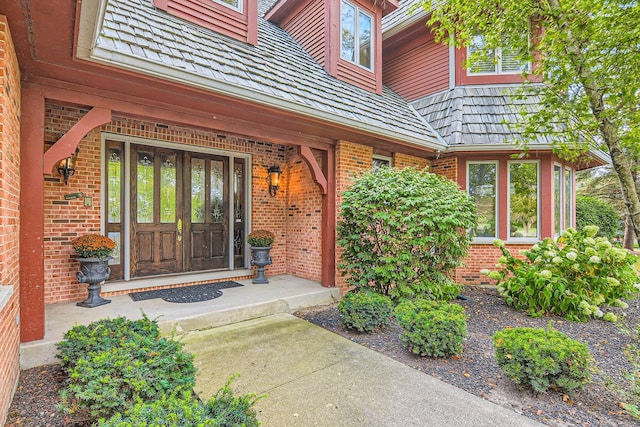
(277, 71)
(479, 114)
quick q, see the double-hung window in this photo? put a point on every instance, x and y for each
(482, 184)
(502, 60)
(524, 196)
(562, 198)
(356, 38)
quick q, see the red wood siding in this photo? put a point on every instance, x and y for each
(217, 17)
(307, 27)
(419, 72)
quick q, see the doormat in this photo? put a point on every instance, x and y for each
(186, 294)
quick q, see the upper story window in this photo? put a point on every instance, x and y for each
(524, 214)
(503, 60)
(356, 41)
(233, 4)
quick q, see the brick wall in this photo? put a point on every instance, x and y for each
(402, 161)
(304, 221)
(9, 217)
(66, 219)
(446, 166)
(483, 256)
(351, 159)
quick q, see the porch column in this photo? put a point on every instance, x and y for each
(329, 220)
(31, 216)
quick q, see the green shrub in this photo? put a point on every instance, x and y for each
(432, 328)
(365, 311)
(402, 232)
(573, 278)
(542, 359)
(124, 368)
(183, 409)
(593, 211)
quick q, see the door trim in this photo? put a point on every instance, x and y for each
(127, 141)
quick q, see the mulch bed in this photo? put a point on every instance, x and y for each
(475, 370)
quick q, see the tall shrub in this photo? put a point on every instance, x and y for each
(402, 231)
(593, 211)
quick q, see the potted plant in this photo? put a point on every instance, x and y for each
(94, 252)
(260, 242)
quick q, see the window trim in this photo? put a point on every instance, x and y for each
(497, 69)
(238, 9)
(381, 157)
(538, 200)
(356, 60)
(486, 239)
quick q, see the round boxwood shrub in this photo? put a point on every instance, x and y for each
(403, 231)
(593, 211)
(542, 359)
(365, 311)
(432, 328)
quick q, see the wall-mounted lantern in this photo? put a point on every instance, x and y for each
(274, 179)
(67, 167)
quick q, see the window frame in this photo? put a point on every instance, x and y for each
(536, 238)
(496, 163)
(238, 9)
(497, 66)
(356, 50)
(387, 159)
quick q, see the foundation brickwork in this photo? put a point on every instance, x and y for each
(304, 221)
(483, 256)
(67, 219)
(9, 219)
(402, 161)
(351, 159)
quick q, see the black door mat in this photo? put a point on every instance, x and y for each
(186, 294)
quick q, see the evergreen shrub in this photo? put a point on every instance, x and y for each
(432, 328)
(542, 359)
(402, 232)
(593, 211)
(365, 311)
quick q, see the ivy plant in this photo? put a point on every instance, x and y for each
(403, 231)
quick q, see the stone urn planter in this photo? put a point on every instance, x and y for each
(260, 258)
(93, 271)
(94, 252)
(260, 242)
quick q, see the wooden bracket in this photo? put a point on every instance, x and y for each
(66, 146)
(314, 167)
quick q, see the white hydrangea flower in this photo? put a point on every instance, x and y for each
(589, 241)
(612, 281)
(502, 260)
(556, 260)
(610, 317)
(499, 243)
(591, 230)
(535, 247)
(594, 259)
(485, 271)
(598, 313)
(546, 274)
(576, 267)
(572, 256)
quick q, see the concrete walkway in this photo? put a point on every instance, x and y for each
(314, 377)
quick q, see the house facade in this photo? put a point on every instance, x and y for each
(156, 122)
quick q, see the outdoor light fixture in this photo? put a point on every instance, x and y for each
(67, 167)
(274, 179)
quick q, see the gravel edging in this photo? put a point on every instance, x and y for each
(477, 371)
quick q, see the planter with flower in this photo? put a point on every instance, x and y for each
(260, 242)
(94, 252)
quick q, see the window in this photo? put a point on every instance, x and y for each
(568, 199)
(482, 182)
(381, 162)
(233, 4)
(562, 198)
(503, 60)
(356, 42)
(557, 199)
(523, 200)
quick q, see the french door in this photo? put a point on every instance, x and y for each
(174, 211)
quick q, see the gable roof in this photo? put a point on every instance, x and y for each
(479, 114)
(277, 72)
(402, 18)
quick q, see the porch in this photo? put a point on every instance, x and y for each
(284, 294)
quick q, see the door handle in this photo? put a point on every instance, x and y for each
(180, 230)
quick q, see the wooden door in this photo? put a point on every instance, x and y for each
(156, 211)
(206, 212)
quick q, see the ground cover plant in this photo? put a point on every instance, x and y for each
(543, 359)
(402, 231)
(576, 276)
(124, 373)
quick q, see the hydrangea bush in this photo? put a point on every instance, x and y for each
(573, 277)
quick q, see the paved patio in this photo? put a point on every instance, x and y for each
(284, 294)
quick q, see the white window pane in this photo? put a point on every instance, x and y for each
(364, 39)
(523, 200)
(557, 199)
(347, 32)
(485, 63)
(568, 210)
(510, 61)
(482, 189)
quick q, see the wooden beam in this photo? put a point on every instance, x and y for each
(316, 171)
(329, 215)
(66, 146)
